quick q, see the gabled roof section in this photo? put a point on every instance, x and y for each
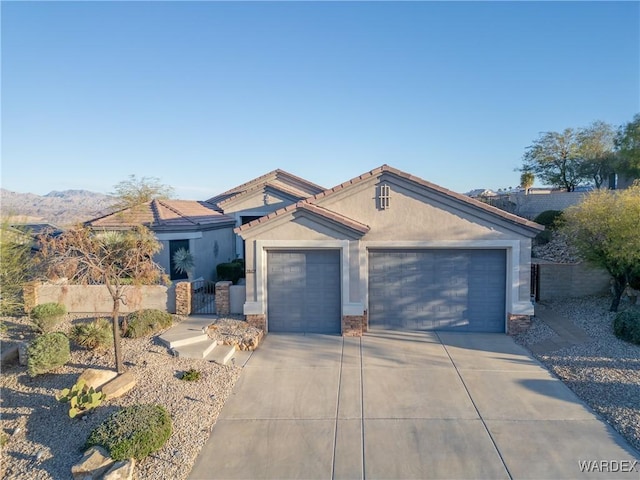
(277, 179)
(304, 206)
(165, 215)
(523, 222)
(313, 203)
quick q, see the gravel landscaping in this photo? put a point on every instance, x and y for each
(604, 372)
(43, 442)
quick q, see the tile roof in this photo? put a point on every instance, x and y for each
(311, 201)
(315, 209)
(274, 178)
(164, 214)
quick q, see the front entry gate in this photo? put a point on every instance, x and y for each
(203, 297)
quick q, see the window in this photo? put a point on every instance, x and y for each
(384, 196)
(174, 246)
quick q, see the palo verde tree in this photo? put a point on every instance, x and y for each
(627, 143)
(596, 152)
(554, 158)
(118, 260)
(605, 228)
(136, 191)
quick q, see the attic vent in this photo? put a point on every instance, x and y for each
(384, 196)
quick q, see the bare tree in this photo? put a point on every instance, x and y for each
(136, 191)
(118, 260)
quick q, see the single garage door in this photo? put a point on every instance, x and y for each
(303, 291)
(437, 290)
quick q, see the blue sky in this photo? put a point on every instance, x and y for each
(208, 95)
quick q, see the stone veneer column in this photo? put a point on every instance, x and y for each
(352, 325)
(518, 324)
(257, 321)
(30, 295)
(183, 298)
(223, 302)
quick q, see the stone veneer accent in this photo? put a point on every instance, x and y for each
(223, 300)
(352, 325)
(30, 295)
(257, 321)
(183, 298)
(518, 324)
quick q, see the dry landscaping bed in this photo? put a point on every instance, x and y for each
(604, 372)
(42, 442)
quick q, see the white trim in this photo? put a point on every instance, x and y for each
(262, 246)
(165, 237)
(512, 270)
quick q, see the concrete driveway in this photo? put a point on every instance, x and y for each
(396, 405)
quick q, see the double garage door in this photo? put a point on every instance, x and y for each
(408, 290)
(461, 290)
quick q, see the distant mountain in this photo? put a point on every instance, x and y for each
(59, 208)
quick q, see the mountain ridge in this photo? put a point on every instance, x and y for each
(59, 207)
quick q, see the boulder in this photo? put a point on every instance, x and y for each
(119, 385)
(122, 470)
(96, 378)
(95, 462)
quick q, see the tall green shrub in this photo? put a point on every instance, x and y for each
(133, 432)
(232, 271)
(47, 352)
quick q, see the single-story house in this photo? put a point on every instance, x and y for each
(205, 228)
(387, 250)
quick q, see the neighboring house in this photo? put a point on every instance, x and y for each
(387, 250)
(206, 228)
(31, 231)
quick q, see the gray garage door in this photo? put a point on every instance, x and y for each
(437, 290)
(303, 291)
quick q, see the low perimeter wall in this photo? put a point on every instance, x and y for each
(96, 298)
(571, 280)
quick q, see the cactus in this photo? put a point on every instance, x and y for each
(81, 398)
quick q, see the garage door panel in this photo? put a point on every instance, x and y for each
(437, 289)
(303, 291)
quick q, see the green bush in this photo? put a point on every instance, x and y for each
(133, 432)
(626, 326)
(549, 218)
(232, 271)
(47, 352)
(96, 335)
(47, 316)
(146, 322)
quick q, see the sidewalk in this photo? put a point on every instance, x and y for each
(567, 333)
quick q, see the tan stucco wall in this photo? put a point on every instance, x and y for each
(96, 298)
(413, 219)
(258, 201)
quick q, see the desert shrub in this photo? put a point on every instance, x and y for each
(47, 316)
(626, 326)
(133, 432)
(47, 352)
(96, 335)
(146, 322)
(549, 218)
(232, 271)
(191, 375)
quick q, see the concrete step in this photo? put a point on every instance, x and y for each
(198, 350)
(178, 341)
(222, 354)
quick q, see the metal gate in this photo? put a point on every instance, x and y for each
(203, 297)
(535, 282)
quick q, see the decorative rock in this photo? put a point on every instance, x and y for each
(94, 463)
(119, 385)
(122, 470)
(96, 378)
